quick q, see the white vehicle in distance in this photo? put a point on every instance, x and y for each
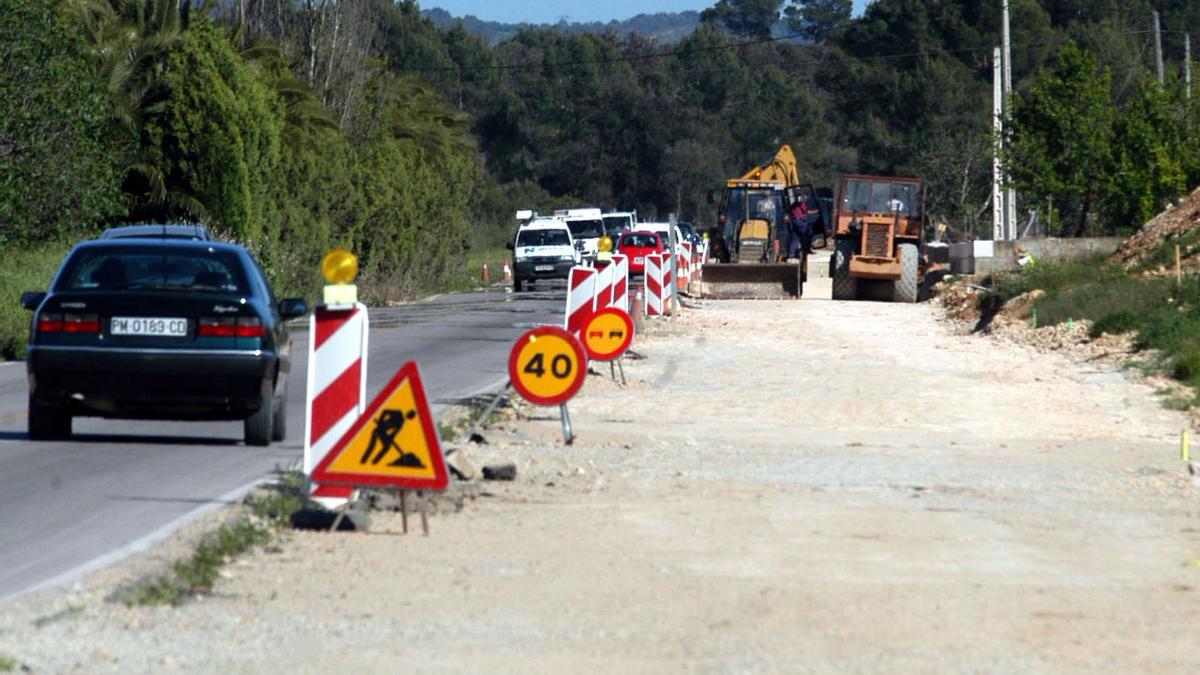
(587, 227)
(662, 230)
(616, 222)
(544, 249)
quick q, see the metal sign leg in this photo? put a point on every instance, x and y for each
(404, 510)
(568, 435)
(621, 366)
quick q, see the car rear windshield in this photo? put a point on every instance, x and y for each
(543, 238)
(586, 229)
(616, 223)
(170, 269)
(641, 240)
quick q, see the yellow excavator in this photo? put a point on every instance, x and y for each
(748, 248)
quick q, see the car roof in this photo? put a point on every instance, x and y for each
(545, 223)
(156, 231)
(150, 244)
(631, 233)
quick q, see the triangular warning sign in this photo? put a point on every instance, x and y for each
(394, 442)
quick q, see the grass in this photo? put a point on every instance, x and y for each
(495, 259)
(23, 270)
(1163, 316)
(268, 513)
(7, 664)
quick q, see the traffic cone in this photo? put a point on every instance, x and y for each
(486, 280)
(507, 272)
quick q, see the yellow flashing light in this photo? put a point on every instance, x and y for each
(339, 266)
(605, 244)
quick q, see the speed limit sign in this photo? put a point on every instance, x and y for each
(547, 365)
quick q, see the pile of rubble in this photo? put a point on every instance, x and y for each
(1180, 219)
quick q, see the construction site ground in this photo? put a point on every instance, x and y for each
(795, 486)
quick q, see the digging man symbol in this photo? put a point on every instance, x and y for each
(387, 426)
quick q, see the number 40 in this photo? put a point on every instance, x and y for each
(560, 366)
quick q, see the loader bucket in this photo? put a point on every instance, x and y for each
(759, 281)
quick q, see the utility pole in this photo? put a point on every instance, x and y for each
(998, 134)
(1158, 62)
(1187, 64)
(1010, 195)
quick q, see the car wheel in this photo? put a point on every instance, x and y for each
(279, 424)
(258, 425)
(48, 422)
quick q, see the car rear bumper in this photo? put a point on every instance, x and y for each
(150, 384)
(558, 270)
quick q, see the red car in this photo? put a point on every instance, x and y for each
(637, 245)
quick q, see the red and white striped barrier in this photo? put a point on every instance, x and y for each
(668, 287)
(604, 286)
(620, 294)
(654, 284)
(685, 265)
(337, 387)
(581, 299)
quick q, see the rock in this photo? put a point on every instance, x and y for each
(460, 465)
(500, 472)
(1021, 307)
(322, 519)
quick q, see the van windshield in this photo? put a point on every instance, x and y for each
(586, 229)
(614, 224)
(543, 238)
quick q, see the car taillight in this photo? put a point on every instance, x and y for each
(217, 327)
(250, 327)
(228, 326)
(81, 323)
(50, 323)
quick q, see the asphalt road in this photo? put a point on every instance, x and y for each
(118, 485)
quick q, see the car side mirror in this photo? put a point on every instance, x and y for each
(509, 245)
(32, 299)
(291, 308)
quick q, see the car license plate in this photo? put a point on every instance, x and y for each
(543, 268)
(145, 325)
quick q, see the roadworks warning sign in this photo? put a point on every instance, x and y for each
(394, 443)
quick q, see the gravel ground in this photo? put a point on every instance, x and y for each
(783, 486)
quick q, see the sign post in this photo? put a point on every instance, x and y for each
(547, 367)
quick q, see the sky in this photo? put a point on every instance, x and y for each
(550, 11)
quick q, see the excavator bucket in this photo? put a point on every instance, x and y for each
(755, 281)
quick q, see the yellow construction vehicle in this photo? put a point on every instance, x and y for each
(877, 250)
(749, 246)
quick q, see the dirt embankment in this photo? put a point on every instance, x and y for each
(787, 486)
(1180, 222)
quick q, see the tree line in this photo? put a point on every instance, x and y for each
(295, 126)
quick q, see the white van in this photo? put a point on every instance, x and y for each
(543, 249)
(587, 226)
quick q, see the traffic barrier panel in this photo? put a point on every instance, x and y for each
(604, 287)
(581, 298)
(336, 390)
(654, 287)
(668, 288)
(620, 295)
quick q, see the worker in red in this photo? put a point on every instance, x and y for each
(798, 229)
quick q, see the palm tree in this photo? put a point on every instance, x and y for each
(130, 43)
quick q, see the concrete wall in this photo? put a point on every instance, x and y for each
(1044, 248)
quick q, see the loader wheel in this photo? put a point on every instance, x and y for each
(906, 285)
(845, 287)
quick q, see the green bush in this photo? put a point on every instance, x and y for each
(23, 270)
